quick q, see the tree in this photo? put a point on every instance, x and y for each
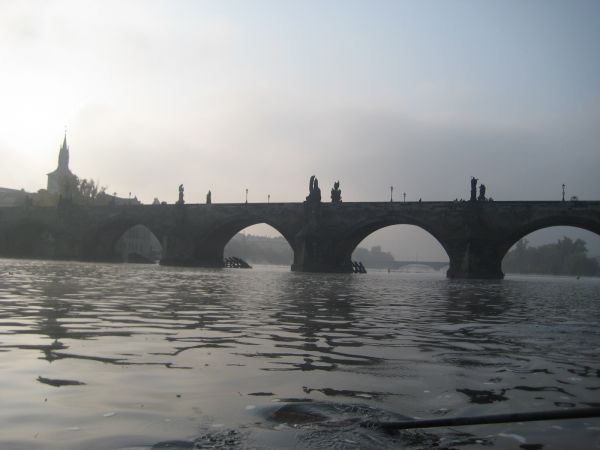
(565, 257)
(88, 190)
(375, 257)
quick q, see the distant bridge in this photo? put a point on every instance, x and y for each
(435, 265)
(475, 235)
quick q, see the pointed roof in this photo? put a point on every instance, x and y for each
(63, 159)
(63, 155)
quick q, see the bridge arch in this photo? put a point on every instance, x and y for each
(367, 228)
(561, 254)
(253, 246)
(547, 222)
(139, 245)
(209, 246)
(106, 243)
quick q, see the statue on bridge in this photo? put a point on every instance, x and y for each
(208, 198)
(314, 193)
(336, 193)
(474, 189)
(481, 197)
(180, 201)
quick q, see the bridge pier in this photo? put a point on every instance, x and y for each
(320, 254)
(183, 250)
(474, 259)
(178, 250)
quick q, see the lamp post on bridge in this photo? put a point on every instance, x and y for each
(268, 198)
(246, 195)
(404, 194)
(563, 192)
(391, 194)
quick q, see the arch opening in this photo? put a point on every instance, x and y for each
(400, 247)
(138, 244)
(260, 244)
(556, 250)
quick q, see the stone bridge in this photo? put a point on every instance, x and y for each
(435, 265)
(476, 235)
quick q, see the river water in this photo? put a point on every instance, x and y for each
(101, 356)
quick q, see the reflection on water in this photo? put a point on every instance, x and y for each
(126, 356)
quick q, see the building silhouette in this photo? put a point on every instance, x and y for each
(62, 181)
(12, 197)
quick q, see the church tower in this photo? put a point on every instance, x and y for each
(62, 181)
(63, 156)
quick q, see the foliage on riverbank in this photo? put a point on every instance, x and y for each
(565, 257)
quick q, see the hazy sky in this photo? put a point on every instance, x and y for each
(229, 95)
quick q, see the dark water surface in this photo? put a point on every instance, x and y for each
(99, 356)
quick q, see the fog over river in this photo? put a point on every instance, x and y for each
(106, 356)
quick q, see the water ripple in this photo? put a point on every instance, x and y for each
(171, 350)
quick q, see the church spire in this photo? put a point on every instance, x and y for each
(63, 155)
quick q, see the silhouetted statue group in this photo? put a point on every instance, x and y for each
(474, 197)
(314, 192)
(180, 201)
(481, 192)
(336, 193)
